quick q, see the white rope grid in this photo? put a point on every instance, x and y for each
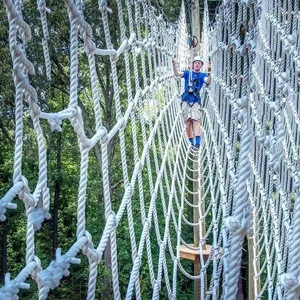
(247, 170)
(254, 100)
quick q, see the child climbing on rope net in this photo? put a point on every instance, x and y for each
(191, 99)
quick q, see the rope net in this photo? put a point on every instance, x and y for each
(252, 133)
(243, 182)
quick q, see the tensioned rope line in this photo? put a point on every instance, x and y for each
(245, 178)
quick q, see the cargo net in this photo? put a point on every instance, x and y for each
(176, 203)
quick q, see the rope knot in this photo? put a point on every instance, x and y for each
(25, 195)
(55, 123)
(104, 137)
(242, 102)
(89, 242)
(89, 250)
(50, 278)
(35, 274)
(90, 45)
(37, 217)
(11, 287)
(236, 226)
(103, 6)
(43, 8)
(290, 282)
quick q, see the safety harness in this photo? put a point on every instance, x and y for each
(193, 88)
(194, 83)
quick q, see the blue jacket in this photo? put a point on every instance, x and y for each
(193, 95)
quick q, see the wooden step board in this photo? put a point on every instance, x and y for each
(190, 254)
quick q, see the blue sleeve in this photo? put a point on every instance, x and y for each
(202, 76)
(186, 74)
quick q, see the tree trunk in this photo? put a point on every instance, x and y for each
(107, 290)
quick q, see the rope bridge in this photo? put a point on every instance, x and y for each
(243, 184)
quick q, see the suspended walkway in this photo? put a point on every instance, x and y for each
(241, 189)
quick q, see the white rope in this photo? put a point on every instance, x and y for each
(43, 10)
(248, 175)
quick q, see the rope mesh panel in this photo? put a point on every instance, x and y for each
(245, 177)
(251, 123)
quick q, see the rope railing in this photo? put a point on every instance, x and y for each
(246, 172)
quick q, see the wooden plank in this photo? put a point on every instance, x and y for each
(190, 254)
